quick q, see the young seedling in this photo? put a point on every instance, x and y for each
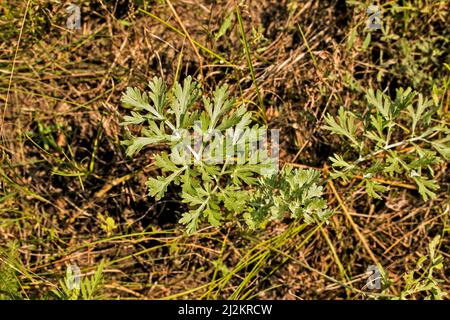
(220, 160)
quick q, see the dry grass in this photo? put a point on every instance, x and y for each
(62, 163)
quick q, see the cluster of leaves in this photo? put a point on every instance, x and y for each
(414, 61)
(426, 281)
(89, 287)
(212, 189)
(422, 280)
(401, 139)
(10, 288)
(402, 57)
(295, 192)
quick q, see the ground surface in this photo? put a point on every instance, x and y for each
(63, 171)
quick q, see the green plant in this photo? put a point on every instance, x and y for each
(296, 192)
(218, 173)
(10, 287)
(415, 61)
(426, 281)
(422, 281)
(89, 287)
(398, 139)
(402, 57)
(418, 283)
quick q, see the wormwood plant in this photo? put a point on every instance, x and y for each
(89, 286)
(220, 172)
(422, 279)
(401, 139)
(293, 191)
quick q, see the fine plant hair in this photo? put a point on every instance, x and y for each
(401, 139)
(215, 190)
